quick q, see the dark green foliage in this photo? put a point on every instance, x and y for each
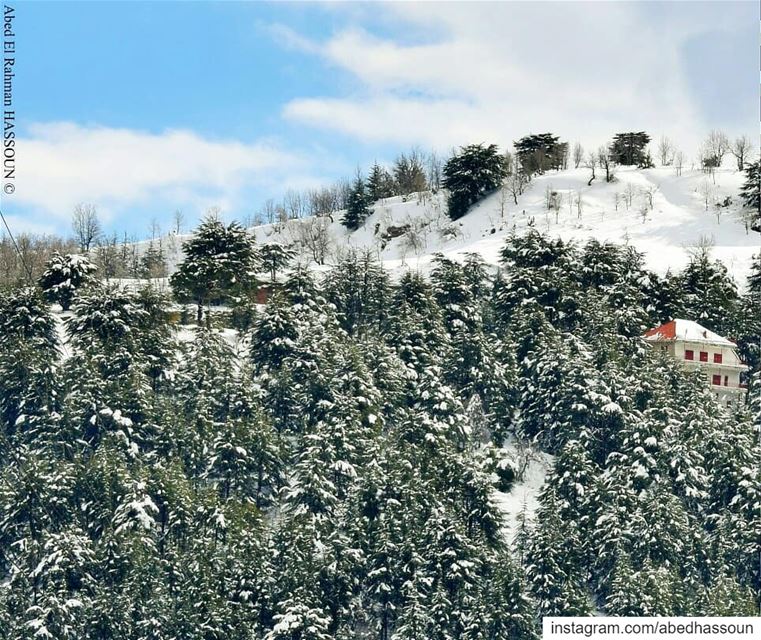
(358, 206)
(470, 174)
(380, 184)
(220, 263)
(274, 257)
(331, 473)
(538, 275)
(28, 376)
(64, 276)
(751, 193)
(538, 153)
(630, 149)
(153, 261)
(709, 295)
(360, 290)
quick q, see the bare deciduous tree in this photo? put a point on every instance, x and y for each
(154, 228)
(269, 211)
(294, 204)
(716, 146)
(516, 183)
(107, 257)
(509, 161)
(591, 163)
(313, 235)
(606, 162)
(628, 195)
(323, 202)
(665, 151)
(578, 154)
(86, 225)
(678, 162)
(705, 189)
(649, 194)
(178, 220)
(36, 251)
(741, 149)
(435, 167)
(503, 195)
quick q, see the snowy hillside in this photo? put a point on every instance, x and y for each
(405, 234)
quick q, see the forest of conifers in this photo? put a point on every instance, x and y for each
(328, 470)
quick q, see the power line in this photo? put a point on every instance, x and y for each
(18, 250)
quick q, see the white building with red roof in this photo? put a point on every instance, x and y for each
(698, 348)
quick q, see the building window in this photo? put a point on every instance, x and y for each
(717, 357)
(717, 379)
(689, 354)
(704, 356)
(726, 381)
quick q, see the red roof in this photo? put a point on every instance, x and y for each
(687, 330)
(666, 331)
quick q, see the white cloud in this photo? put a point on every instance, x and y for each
(61, 164)
(499, 70)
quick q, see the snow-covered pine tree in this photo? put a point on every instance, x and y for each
(246, 453)
(747, 327)
(275, 257)
(203, 390)
(556, 575)
(358, 286)
(358, 207)
(538, 272)
(709, 295)
(64, 276)
(29, 353)
(220, 264)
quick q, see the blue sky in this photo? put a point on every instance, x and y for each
(143, 108)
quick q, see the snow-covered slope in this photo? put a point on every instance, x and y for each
(524, 494)
(677, 221)
(406, 234)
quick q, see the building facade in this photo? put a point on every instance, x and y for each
(698, 348)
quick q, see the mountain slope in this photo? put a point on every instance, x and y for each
(405, 234)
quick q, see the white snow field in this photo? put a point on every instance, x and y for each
(619, 212)
(525, 492)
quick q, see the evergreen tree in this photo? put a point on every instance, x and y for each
(220, 263)
(274, 257)
(64, 276)
(30, 397)
(409, 175)
(555, 577)
(539, 273)
(538, 153)
(380, 184)
(750, 193)
(470, 174)
(359, 288)
(357, 209)
(153, 261)
(709, 295)
(629, 149)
